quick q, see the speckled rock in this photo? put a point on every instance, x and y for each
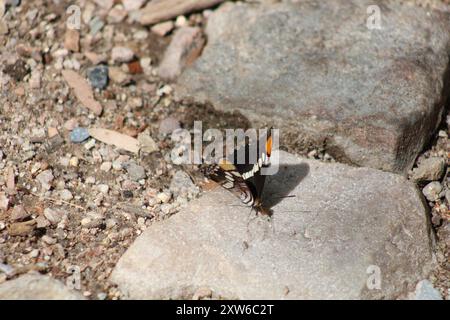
(344, 226)
(37, 287)
(371, 97)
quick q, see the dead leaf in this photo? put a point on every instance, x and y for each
(82, 90)
(115, 138)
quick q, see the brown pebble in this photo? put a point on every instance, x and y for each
(72, 40)
(21, 228)
(134, 67)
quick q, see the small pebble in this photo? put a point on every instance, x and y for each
(90, 144)
(87, 293)
(79, 135)
(102, 296)
(164, 197)
(181, 21)
(116, 14)
(147, 143)
(65, 195)
(95, 25)
(426, 291)
(163, 28)
(110, 223)
(72, 40)
(92, 220)
(127, 194)
(98, 76)
(103, 188)
(117, 165)
(166, 208)
(53, 216)
(135, 172)
(201, 293)
(35, 80)
(429, 169)
(90, 180)
(45, 178)
(122, 54)
(41, 222)
(132, 5)
(4, 201)
(106, 166)
(34, 253)
(118, 76)
(48, 240)
(71, 124)
(74, 162)
(19, 213)
(432, 191)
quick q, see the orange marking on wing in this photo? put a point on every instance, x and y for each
(269, 146)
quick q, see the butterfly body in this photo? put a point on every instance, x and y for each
(244, 179)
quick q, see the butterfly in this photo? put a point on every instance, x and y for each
(244, 180)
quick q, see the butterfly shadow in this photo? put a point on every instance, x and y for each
(281, 184)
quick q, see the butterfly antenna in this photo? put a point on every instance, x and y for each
(289, 196)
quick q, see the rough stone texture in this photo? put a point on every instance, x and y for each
(37, 287)
(370, 97)
(317, 245)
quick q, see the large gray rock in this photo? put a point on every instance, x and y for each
(344, 227)
(315, 70)
(37, 287)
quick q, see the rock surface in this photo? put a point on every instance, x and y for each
(320, 244)
(313, 68)
(37, 287)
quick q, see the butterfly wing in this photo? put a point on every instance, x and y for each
(243, 180)
(228, 176)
